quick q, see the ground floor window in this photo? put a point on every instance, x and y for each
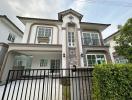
(55, 64)
(19, 61)
(93, 59)
(22, 62)
(121, 60)
(43, 62)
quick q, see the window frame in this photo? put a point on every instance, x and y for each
(72, 37)
(90, 32)
(43, 64)
(95, 57)
(11, 37)
(19, 59)
(55, 61)
(120, 60)
(51, 34)
(55, 65)
(18, 62)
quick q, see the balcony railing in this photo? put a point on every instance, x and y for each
(44, 84)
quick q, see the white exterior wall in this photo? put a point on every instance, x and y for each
(33, 34)
(26, 32)
(48, 56)
(112, 43)
(63, 48)
(4, 33)
(80, 47)
(60, 34)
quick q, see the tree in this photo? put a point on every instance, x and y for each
(124, 41)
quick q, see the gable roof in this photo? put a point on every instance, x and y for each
(26, 19)
(63, 13)
(7, 19)
(88, 25)
(111, 35)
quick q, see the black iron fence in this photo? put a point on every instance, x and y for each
(48, 84)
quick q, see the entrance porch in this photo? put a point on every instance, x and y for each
(31, 56)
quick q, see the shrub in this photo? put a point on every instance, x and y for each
(112, 82)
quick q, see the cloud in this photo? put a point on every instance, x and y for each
(37, 8)
(5, 9)
(92, 11)
(32, 8)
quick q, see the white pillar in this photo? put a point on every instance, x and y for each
(80, 49)
(8, 66)
(26, 32)
(63, 48)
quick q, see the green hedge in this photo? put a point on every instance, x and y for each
(112, 82)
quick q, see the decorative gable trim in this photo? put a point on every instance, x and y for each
(71, 11)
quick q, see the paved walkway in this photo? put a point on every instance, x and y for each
(1, 91)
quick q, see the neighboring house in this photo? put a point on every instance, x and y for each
(9, 33)
(112, 43)
(61, 43)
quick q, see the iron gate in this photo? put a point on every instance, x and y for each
(48, 84)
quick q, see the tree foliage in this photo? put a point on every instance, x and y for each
(124, 41)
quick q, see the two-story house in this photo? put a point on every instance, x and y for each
(9, 33)
(112, 43)
(61, 43)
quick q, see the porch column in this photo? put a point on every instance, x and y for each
(7, 65)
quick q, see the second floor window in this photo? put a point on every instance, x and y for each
(90, 39)
(44, 34)
(71, 41)
(11, 37)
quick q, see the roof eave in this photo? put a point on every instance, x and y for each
(23, 19)
(4, 16)
(112, 35)
(102, 28)
(96, 23)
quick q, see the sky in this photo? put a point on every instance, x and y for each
(114, 12)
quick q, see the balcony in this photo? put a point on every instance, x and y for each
(43, 84)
